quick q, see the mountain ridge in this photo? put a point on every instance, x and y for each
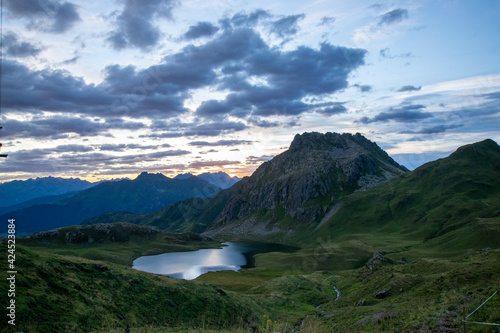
(18, 191)
(145, 194)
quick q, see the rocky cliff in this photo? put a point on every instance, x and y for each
(304, 183)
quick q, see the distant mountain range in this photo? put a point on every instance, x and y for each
(145, 194)
(220, 179)
(18, 191)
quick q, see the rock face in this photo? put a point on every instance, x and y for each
(304, 182)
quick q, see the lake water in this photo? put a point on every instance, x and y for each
(190, 265)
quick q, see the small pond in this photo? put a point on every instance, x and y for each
(190, 265)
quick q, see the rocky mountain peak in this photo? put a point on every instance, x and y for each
(308, 179)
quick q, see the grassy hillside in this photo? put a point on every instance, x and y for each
(66, 294)
(448, 205)
(114, 242)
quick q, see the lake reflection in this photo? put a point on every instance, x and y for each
(190, 265)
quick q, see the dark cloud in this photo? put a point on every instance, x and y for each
(176, 130)
(433, 129)
(160, 92)
(363, 87)
(125, 92)
(332, 108)
(257, 121)
(227, 143)
(135, 24)
(249, 20)
(409, 88)
(47, 15)
(72, 148)
(15, 48)
(202, 29)
(208, 151)
(71, 61)
(327, 20)
(394, 16)
(289, 76)
(54, 127)
(125, 147)
(204, 164)
(405, 114)
(376, 6)
(286, 26)
(258, 159)
(215, 129)
(386, 53)
(77, 159)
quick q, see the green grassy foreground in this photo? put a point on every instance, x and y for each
(68, 293)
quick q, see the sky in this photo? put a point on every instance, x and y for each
(101, 89)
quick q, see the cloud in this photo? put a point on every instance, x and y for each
(57, 126)
(18, 49)
(208, 151)
(76, 159)
(227, 143)
(72, 148)
(332, 108)
(204, 164)
(125, 147)
(286, 26)
(202, 29)
(125, 92)
(409, 88)
(385, 53)
(47, 15)
(326, 20)
(71, 61)
(242, 19)
(259, 81)
(433, 129)
(252, 160)
(363, 87)
(135, 24)
(405, 114)
(287, 76)
(394, 16)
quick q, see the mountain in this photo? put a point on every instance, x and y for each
(145, 194)
(17, 191)
(220, 179)
(303, 184)
(37, 201)
(295, 189)
(446, 205)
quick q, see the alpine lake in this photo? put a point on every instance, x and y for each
(189, 265)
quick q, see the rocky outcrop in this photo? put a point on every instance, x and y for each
(306, 181)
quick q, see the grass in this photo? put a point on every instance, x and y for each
(118, 242)
(69, 293)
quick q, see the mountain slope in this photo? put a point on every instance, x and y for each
(220, 179)
(17, 191)
(145, 194)
(298, 187)
(445, 205)
(37, 201)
